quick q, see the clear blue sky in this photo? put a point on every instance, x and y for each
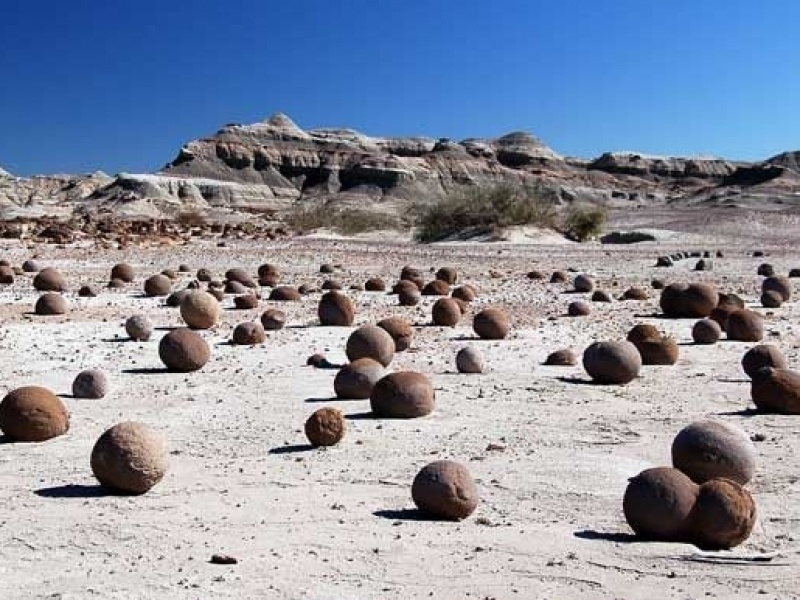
(122, 84)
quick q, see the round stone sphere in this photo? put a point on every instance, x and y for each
(401, 331)
(355, 380)
(661, 351)
(583, 283)
(445, 489)
(612, 362)
(447, 274)
(183, 350)
(246, 301)
(771, 299)
(51, 303)
(706, 331)
(446, 312)
(410, 273)
(642, 332)
(49, 280)
(326, 268)
(33, 414)
(336, 309)
(175, 298)
(123, 272)
(91, 384)
(730, 300)
(699, 300)
(559, 277)
(130, 458)
(248, 334)
(566, 357)
(409, 295)
(658, 502)
(200, 310)
(87, 291)
(721, 313)
(240, 276)
(465, 293)
(535, 274)
(6, 275)
(579, 308)
(723, 516)
(115, 284)
(375, 284)
(491, 324)
(776, 391)
(31, 266)
(157, 285)
(765, 270)
(402, 395)
(268, 275)
(601, 296)
(325, 427)
(370, 341)
(273, 319)
(204, 275)
(779, 284)
(437, 287)
(470, 360)
(635, 293)
(285, 293)
(235, 287)
(139, 328)
(671, 300)
(708, 449)
(331, 284)
(745, 326)
(763, 355)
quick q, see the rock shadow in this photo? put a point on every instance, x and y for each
(405, 514)
(146, 371)
(71, 490)
(608, 536)
(291, 449)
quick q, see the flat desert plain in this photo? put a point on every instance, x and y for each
(551, 453)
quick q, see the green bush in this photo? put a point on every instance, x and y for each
(584, 222)
(479, 210)
(307, 216)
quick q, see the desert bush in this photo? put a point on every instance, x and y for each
(478, 210)
(584, 222)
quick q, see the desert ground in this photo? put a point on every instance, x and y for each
(550, 454)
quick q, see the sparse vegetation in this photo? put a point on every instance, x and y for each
(307, 216)
(480, 210)
(584, 222)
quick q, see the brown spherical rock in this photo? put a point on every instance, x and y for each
(663, 350)
(447, 274)
(269, 275)
(409, 296)
(566, 357)
(157, 285)
(583, 283)
(401, 331)
(402, 395)
(776, 391)
(123, 272)
(657, 284)
(51, 304)
(699, 300)
(245, 301)
(170, 274)
(723, 515)
(87, 291)
(437, 287)
(183, 350)
(130, 458)
(370, 341)
(336, 309)
(446, 312)
(248, 333)
(465, 293)
(470, 360)
(325, 427)
(491, 324)
(91, 384)
(31, 266)
(33, 414)
(765, 270)
(671, 300)
(375, 284)
(709, 449)
(446, 490)
(535, 275)
(559, 277)
(241, 276)
(355, 380)
(405, 284)
(175, 298)
(745, 326)
(706, 331)
(579, 308)
(658, 502)
(273, 319)
(721, 313)
(771, 299)
(200, 310)
(116, 284)
(643, 331)
(139, 328)
(6, 275)
(635, 293)
(730, 300)
(285, 293)
(763, 355)
(204, 275)
(612, 362)
(601, 296)
(778, 284)
(326, 268)
(49, 280)
(235, 287)
(410, 273)
(331, 284)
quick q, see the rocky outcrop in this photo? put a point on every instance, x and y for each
(267, 167)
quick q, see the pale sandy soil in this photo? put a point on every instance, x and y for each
(339, 523)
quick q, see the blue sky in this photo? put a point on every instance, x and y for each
(120, 85)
